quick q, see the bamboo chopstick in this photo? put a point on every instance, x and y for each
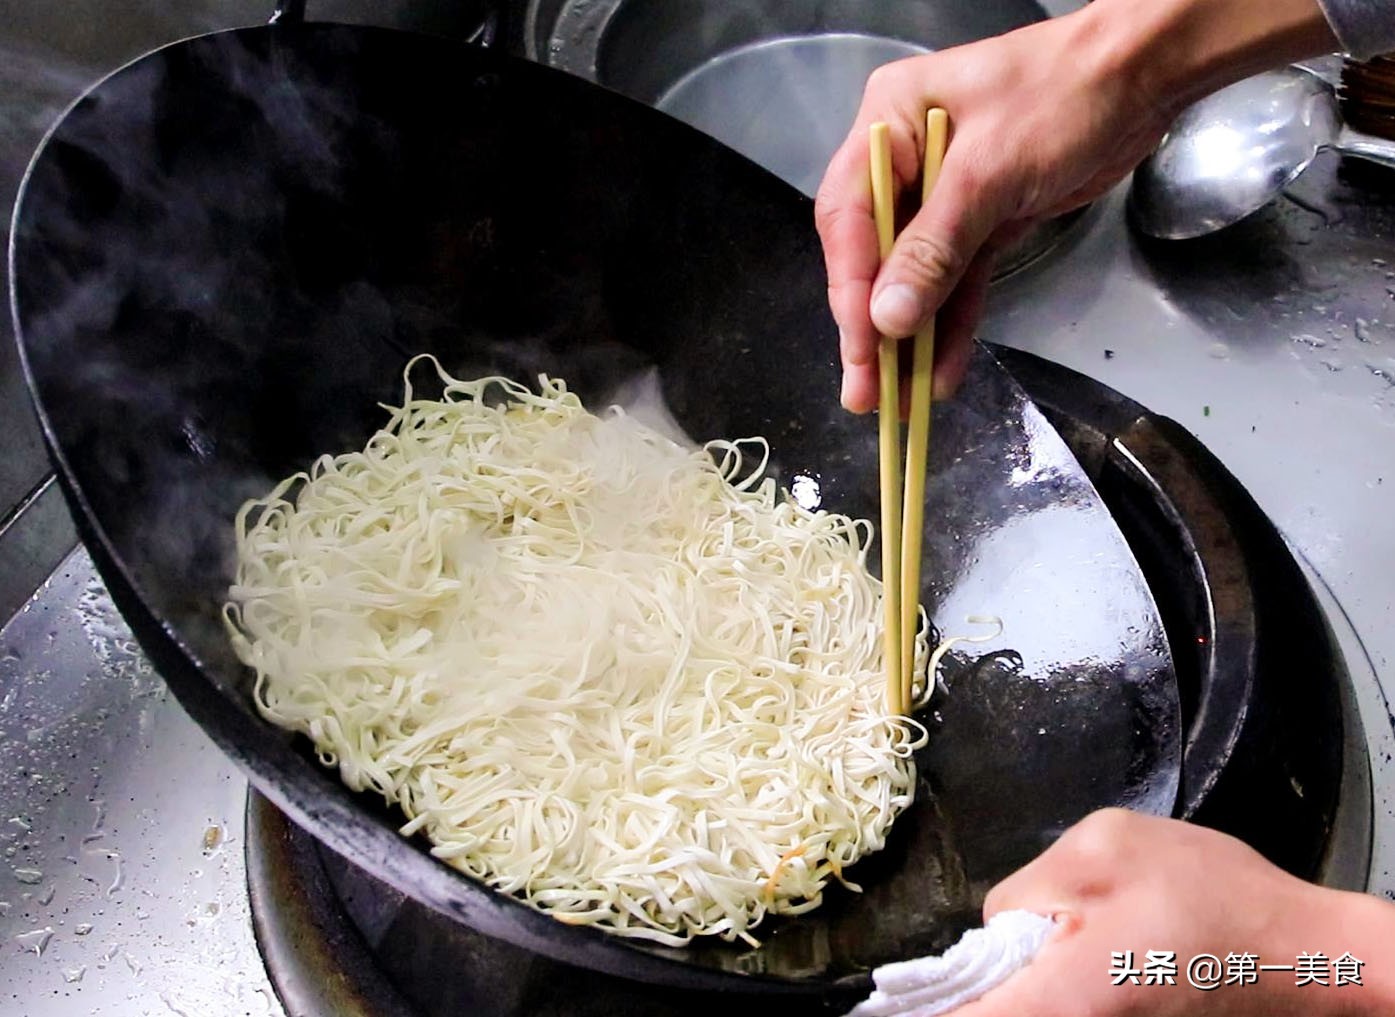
(903, 510)
(918, 433)
(889, 429)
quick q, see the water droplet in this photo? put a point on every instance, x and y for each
(118, 880)
(73, 975)
(20, 822)
(1219, 351)
(30, 877)
(83, 929)
(131, 963)
(99, 819)
(46, 895)
(36, 940)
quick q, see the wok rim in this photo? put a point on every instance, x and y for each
(288, 779)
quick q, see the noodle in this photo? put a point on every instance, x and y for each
(623, 680)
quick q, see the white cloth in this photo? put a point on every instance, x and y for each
(980, 960)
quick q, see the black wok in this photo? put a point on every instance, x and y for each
(226, 251)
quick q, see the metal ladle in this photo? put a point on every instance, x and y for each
(1235, 151)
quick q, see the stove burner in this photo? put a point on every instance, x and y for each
(336, 940)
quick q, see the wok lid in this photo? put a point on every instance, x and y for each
(224, 254)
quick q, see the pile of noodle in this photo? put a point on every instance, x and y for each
(621, 679)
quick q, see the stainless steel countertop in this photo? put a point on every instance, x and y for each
(121, 825)
(123, 885)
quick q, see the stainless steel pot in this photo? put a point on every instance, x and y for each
(778, 81)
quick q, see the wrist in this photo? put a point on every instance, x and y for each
(1342, 925)
(1169, 53)
(1365, 926)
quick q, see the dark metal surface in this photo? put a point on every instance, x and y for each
(1262, 709)
(224, 256)
(36, 532)
(318, 963)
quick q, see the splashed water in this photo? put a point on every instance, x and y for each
(119, 879)
(36, 941)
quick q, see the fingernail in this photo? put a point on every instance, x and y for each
(896, 310)
(843, 393)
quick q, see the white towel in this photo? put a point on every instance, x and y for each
(980, 960)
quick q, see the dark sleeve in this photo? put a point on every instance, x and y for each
(1365, 28)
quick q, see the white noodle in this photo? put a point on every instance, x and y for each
(623, 680)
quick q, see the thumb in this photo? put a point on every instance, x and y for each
(933, 251)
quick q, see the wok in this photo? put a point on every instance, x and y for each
(225, 252)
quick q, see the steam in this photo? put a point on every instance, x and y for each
(641, 396)
(786, 103)
(222, 267)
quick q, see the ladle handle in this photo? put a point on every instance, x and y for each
(486, 33)
(288, 12)
(1366, 146)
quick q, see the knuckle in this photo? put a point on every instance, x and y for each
(1098, 840)
(930, 259)
(829, 209)
(993, 900)
(884, 79)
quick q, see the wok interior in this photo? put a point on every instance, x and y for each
(227, 252)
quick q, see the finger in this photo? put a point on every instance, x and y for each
(847, 230)
(936, 248)
(861, 388)
(843, 218)
(956, 322)
(1038, 886)
(1084, 864)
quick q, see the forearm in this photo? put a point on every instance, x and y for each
(1176, 51)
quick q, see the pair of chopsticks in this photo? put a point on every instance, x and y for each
(902, 531)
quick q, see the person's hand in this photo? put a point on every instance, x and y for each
(1120, 882)
(1042, 120)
